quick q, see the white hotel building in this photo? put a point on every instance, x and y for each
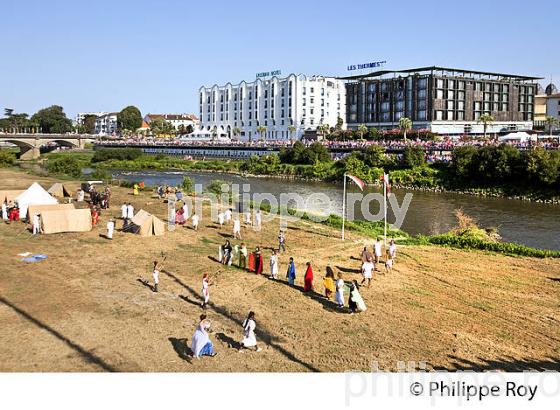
(275, 103)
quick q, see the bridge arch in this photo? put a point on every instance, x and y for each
(27, 149)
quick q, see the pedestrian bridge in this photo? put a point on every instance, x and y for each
(30, 144)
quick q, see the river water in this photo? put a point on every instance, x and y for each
(528, 223)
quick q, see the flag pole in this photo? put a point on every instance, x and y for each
(385, 209)
(343, 204)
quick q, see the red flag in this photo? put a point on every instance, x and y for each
(357, 181)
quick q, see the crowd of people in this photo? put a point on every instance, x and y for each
(441, 144)
(343, 294)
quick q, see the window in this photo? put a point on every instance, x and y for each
(322, 113)
(312, 90)
(439, 115)
(304, 90)
(439, 94)
(304, 102)
(450, 84)
(450, 95)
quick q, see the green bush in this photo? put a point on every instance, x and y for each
(65, 166)
(7, 158)
(500, 247)
(104, 154)
(215, 186)
(187, 184)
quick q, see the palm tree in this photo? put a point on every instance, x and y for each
(261, 129)
(362, 129)
(551, 122)
(236, 131)
(485, 119)
(292, 129)
(405, 124)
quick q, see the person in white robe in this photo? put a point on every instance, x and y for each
(80, 195)
(393, 249)
(249, 339)
(110, 228)
(4, 211)
(237, 228)
(124, 211)
(377, 251)
(195, 219)
(228, 215)
(248, 217)
(339, 296)
(36, 224)
(221, 218)
(201, 344)
(130, 211)
(205, 290)
(258, 220)
(186, 211)
(273, 265)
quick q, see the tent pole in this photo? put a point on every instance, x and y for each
(343, 205)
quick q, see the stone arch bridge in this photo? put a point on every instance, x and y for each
(30, 144)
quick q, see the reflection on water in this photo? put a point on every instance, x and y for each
(532, 224)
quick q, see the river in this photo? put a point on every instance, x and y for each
(532, 224)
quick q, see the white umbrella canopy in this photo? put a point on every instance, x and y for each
(521, 136)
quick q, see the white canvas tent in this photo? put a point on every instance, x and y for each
(520, 136)
(34, 195)
(145, 224)
(58, 190)
(38, 209)
(66, 220)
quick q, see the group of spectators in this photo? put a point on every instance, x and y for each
(445, 144)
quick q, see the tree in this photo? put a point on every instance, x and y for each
(292, 129)
(129, 119)
(374, 156)
(52, 120)
(159, 126)
(405, 124)
(261, 129)
(236, 131)
(88, 125)
(462, 161)
(551, 122)
(486, 120)
(323, 129)
(361, 131)
(339, 124)
(413, 156)
(316, 152)
(542, 167)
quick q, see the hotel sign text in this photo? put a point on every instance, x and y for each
(367, 65)
(269, 73)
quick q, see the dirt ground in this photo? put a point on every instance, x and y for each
(85, 308)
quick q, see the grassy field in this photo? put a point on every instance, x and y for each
(85, 308)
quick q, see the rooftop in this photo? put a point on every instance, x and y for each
(444, 71)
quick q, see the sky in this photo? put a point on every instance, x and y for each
(105, 55)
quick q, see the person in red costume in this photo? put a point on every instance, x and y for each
(308, 278)
(258, 261)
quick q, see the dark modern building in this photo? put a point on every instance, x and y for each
(447, 101)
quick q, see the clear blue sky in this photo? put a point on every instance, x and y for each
(103, 55)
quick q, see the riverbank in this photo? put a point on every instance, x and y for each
(85, 308)
(427, 178)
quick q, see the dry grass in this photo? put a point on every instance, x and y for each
(84, 308)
